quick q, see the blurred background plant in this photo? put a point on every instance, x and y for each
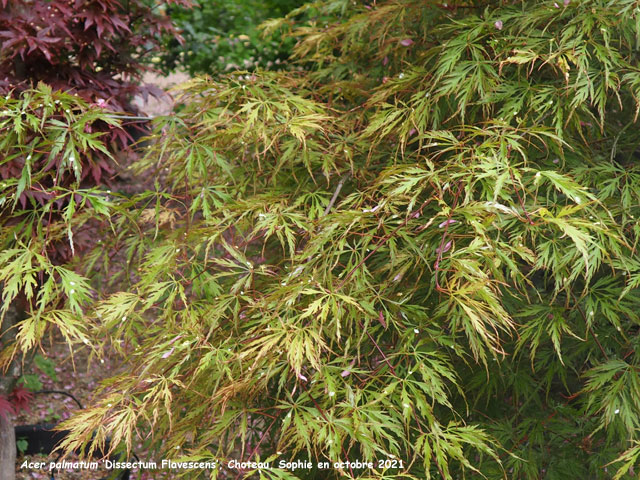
(222, 36)
(93, 48)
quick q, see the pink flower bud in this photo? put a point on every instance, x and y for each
(447, 222)
(166, 354)
(445, 248)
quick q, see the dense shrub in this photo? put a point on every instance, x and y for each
(424, 248)
(222, 36)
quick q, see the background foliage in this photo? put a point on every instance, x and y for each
(223, 36)
(94, 49)
(423, 247)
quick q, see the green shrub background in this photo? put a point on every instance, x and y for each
(223, 36)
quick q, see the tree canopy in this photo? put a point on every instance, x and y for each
(422, 246)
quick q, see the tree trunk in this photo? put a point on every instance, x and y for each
(7, 381)
(7, 449)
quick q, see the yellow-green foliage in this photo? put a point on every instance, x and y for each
(47, 138)
(423, 247)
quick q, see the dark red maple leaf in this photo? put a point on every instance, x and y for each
(21, 397)
(6, 407)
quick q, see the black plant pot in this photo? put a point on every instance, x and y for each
(42, 439)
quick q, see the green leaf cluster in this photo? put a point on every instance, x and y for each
(47, 146)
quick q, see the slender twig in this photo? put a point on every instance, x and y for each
(129, 117)
(335, 194)
(435, 460)
(440, 249)
(324, 416)
(589, 329)
(520, 199)
(384, 357)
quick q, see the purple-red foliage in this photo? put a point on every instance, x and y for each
(6, 407)
(21, 397)
(18, 400)
(94, 48)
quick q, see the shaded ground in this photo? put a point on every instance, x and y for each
(79, 378)
(73, 375)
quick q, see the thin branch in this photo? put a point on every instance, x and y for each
(324, 416)
(440, 249)
(262, 437)
(589, 329)
(384, 357)
(335, 194)
(129, 117)
(520, 199)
